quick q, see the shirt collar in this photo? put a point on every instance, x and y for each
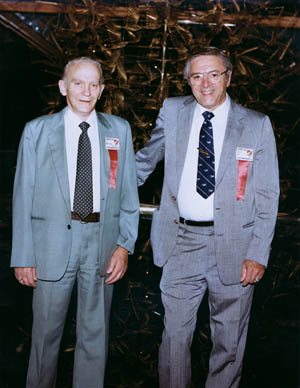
(72, 118)
(220, 110)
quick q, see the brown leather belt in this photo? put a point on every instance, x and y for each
(93, 217)
(196, 223)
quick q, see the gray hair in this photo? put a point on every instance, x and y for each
(207, 51)
(82, 60)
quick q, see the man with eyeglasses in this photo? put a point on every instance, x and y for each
(216, 219)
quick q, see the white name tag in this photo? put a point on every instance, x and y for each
(244, 154)
(112, 143)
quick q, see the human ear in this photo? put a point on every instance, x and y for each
(228, 79)
(62, 87)
(101, 90)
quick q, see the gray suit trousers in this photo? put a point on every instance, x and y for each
(50, 305)
(189, 272)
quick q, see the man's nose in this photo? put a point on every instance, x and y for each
(205, 80)
(87, 90)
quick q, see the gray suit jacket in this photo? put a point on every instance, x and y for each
(243, 228)
(42, 235)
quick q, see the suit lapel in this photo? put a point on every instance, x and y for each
(233, 132)
(57, 145)
(185, 120)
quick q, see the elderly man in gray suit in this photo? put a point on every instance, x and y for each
(216, 218)
(75, 218)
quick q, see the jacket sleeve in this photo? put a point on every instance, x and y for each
(22, 242)
(129, 206)
(153, 151)
(266, 181)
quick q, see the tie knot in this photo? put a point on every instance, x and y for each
(84, 126)
(208, 115)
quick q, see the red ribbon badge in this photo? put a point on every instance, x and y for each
(113, 154)
(242, 179)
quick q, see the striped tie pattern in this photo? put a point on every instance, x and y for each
(83, 196)
(206, 158)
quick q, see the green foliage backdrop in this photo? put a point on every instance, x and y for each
(144, 50)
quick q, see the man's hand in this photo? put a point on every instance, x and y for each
(252, 272)
(118, 265)
(26, 276)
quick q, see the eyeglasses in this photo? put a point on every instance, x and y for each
(213, 76)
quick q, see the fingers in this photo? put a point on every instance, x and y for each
(118, 265)
(244, 273)
(115, 275)
(26, 276)
(116, 271)
(252, 272)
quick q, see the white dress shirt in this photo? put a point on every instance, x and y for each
(72, 133)
(192, 206)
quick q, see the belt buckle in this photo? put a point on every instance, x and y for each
(83, 222)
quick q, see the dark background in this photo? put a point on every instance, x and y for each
(272, 354)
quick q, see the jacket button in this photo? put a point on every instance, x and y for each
(69, 227)
(173, 197)
(176, 222)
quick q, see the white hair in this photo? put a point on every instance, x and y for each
(82, 60)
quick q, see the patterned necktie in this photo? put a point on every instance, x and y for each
(206, 158)
(83, 196)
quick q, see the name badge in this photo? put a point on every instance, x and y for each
(112, 143)
(244, 154)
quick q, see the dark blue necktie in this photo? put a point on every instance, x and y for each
(83, 196)
(206, 158)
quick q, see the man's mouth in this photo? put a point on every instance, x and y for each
(206, 92)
